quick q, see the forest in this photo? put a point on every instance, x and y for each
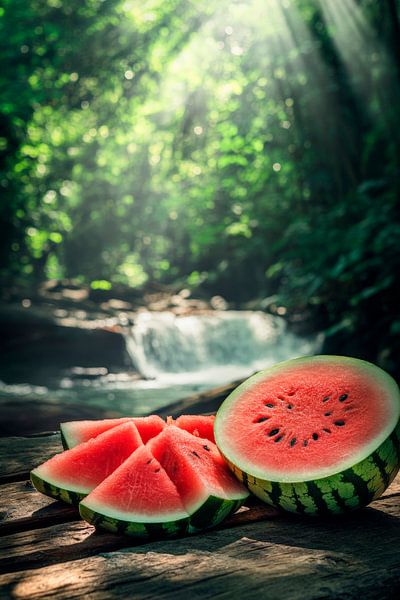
(242, 148)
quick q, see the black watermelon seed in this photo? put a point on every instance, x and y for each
(261, 419)
(293, 441)
(206, 448)
(157, 470)
(343, 397)
(290, 406)
(327, 414)
(327, 430)
(315, 436)
(269, 405)
(149, 461)
(278, 439)
(273, 432)
(325, 399)
(195, 453)
(339, 423)
(305, 443)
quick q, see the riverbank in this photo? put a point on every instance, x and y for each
(66, 355)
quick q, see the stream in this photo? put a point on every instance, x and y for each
(176, 356)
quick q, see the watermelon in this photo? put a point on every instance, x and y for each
(314, 435)
(71, 475)
(76, 432)
(155, 508)
(178, 483)
(202, 426)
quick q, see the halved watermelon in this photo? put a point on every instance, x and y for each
(313, 435)
(141, 497)
(76, 432)
(71, 475)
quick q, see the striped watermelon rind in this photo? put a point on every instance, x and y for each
(348, 489)
(210, 514)
(56, 491)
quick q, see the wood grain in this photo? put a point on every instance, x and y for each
(35, 547)
(291, 558)
(45, 552)
(22, 507)
(19, 455)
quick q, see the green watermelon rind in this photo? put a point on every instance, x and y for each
(210, 514)
(347, 489)
(56, 491)
(351, 489)
(64, 440)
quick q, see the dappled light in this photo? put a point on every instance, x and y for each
(244, 150)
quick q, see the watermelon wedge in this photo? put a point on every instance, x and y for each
(200, 425)
(178, 483)
(138, 499)
(314, 435)
(76, 432)
(71, 475)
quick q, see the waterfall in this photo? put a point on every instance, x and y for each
(213, 347)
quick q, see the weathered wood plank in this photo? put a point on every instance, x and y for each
(67, 541)
(22, 507)
(292, 558)
(18, 455)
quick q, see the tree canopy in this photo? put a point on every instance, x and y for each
(248, 148)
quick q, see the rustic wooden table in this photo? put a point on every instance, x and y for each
(46, 551)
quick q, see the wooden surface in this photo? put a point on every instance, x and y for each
(46, 551)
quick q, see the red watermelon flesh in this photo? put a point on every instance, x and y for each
(76, 432)
(199, 425)
(82, 468)
(140, 487)
(195, 465)
(306, 418)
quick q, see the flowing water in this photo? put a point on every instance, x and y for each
(176, 356)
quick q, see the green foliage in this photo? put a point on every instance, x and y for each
(245, 148)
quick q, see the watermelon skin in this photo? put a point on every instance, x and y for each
(133, 529)
(56, 492)
(212, 513)
(349, 489)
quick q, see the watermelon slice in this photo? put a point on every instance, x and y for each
(178, 483)
(202, 426)
(137, 499)
(71, 475)
(76, 432)
(313, 435)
